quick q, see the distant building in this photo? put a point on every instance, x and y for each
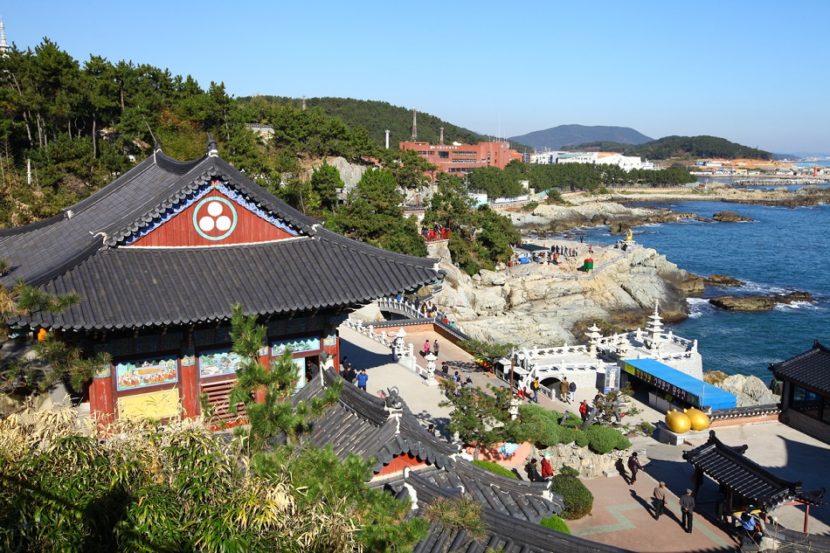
(627, 163)
(263, 131)
(462, 158)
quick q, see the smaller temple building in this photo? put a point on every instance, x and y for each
(805, 394)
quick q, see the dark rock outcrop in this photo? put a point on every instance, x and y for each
(730, 217)
(722, 280)
(758, 303)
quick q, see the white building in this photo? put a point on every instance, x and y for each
(627, 163)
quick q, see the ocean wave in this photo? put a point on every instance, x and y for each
(797, 305)
(698, 307)
(757, 287)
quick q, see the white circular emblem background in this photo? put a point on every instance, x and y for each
(214, 218)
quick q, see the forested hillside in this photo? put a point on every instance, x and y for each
(670, 147)
(376, 117)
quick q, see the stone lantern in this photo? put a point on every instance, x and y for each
(398, 344)
(430, 359)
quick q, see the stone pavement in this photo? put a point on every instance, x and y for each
(784, 451)
(623, 516)
(384, 373)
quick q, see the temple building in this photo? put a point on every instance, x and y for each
(805, 397)
(159, 257)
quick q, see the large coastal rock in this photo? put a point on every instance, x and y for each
(730, 217)
(536, 305)
(750, 390)
(758, 303)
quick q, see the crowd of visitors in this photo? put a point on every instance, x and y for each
(436, 232)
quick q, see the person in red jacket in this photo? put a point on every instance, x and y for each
(547, 469)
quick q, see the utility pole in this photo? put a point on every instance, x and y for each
(387, 139)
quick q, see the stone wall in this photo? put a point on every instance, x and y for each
(588, 463)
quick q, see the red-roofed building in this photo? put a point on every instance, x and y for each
(462, 158)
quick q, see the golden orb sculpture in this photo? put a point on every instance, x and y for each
(678, 422)
(699, 419)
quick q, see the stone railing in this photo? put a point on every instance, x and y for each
(400, 307)
(403, 353)
(369, 330)
(537, 352)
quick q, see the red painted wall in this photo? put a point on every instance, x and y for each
(180, 230)
(399, 463)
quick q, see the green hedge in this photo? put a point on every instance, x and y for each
(495, 468)
(542, 427)
(556, 524)
(578, 499)
(602, 439)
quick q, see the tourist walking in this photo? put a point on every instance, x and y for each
(571, 392)
(687, 507)
(583, 410)
(435, 347)
(634, 466)
(362, 379)
(534, 386)
(563, 389)
(425, 349)
(348, 373)
(659, 500)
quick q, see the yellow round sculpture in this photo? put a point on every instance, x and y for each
(698, 419)
(678, 422)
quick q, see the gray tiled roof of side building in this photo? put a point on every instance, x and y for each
(810, 368)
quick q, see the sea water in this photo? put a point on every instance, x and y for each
(785, 249)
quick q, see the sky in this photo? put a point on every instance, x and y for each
(751, 71)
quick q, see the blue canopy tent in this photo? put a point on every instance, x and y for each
(680, 385)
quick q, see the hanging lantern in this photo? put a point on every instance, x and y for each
(42, 333)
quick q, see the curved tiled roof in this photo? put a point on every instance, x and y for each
(810, 368)
(125, 288)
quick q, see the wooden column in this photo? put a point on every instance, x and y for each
(264, 360)
(102, 396)
(189, 382)
(331, 345)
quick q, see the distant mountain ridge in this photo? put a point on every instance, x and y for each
(563, 135)
(681, 147)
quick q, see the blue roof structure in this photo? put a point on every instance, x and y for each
(679, 384)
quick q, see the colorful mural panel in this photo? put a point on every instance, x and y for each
(218, 362)
(131, 375)
(296, 345)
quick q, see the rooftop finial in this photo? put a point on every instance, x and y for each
(212, 150)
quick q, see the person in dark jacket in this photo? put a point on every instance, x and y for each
(634, 466)
(533, 472)
(687, 508)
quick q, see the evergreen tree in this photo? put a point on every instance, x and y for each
(275, 415)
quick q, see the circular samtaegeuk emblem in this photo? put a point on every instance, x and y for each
(214, 218)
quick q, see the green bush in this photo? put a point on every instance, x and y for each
(495, 468)
(556, 524)
(578, 499)
(602, 439)
(569, 471)
(530, 206)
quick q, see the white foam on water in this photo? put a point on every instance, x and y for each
(797, 305)
(750, 286)
(698, 306)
